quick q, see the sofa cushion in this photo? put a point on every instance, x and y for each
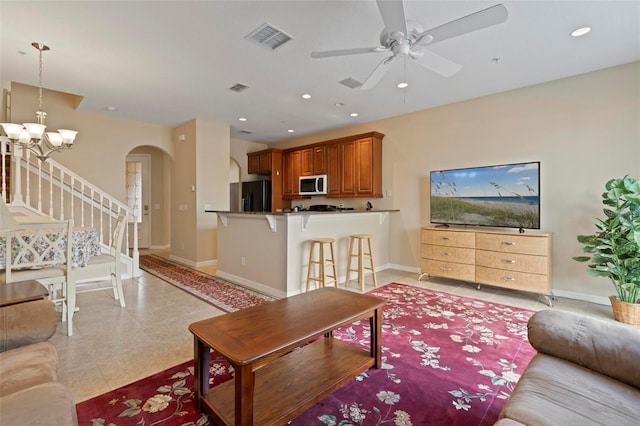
(26, 323)
(27, 366)
(46, 404)
(551, 391)
(607, 347)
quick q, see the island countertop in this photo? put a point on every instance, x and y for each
(304, 212)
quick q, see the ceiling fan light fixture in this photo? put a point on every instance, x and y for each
(305, 96)
(402, 85)
(579, 32)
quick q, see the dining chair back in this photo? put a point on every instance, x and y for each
(42, 252)
(103, 265)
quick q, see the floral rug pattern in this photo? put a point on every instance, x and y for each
(222, 294)
(447, 360)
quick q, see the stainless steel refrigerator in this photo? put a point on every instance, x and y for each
(256, 196)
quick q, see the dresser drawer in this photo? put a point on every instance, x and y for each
(513, 261)
(514, 243)
(449, 238)
(456, 271)
(534, 283)
(449, 254)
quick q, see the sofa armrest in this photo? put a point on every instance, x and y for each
(26, 323)
(609, 348)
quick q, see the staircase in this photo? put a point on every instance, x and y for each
(49, 189)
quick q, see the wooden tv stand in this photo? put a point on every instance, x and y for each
(497, 258)
(282, 363)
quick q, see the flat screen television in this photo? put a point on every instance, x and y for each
(506, 196)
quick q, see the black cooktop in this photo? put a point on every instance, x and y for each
(327, 208)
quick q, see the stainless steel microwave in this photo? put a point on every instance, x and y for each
(313, 185)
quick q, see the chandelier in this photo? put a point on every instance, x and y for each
(32, 136)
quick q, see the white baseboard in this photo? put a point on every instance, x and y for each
(191, 263)
(278, 294)
(600, 300)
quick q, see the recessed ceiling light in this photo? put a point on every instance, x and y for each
(402, 85)
(306, 96)
(111, 108)
(290, 130)
(242, 119)
(580, 31)
(354, 114)
(339, 104)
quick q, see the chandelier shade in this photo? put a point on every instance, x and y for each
(32, 136)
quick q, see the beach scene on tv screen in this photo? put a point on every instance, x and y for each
(500, 196)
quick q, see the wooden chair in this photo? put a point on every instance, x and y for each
(42, 252)
(103, 265)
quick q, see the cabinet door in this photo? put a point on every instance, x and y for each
(253, 164)
(333, 169)
(363, 166)
(306, 162)
(348, 168)
(319, 160)
(265, 162)
(291, 173)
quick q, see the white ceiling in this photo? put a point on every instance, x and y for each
(168, 62)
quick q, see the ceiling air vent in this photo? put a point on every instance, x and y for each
(269, 36)
(238, 87)
(246, 132)
(351, 83)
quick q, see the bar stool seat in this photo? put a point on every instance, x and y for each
(358, 240)
(324, 260)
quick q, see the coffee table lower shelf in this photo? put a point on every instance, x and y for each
(287, 386)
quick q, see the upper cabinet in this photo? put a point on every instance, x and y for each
(353, 166)
(261, 162)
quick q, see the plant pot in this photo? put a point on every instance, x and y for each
(628, 313)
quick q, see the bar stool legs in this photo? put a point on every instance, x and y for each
(324, 260)
(359, 255)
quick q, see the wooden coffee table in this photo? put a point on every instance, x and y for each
(21, 292)
(283, 364)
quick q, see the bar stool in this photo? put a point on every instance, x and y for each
(360, 254)
(323, 261)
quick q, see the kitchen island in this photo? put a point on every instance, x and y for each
(269, 252)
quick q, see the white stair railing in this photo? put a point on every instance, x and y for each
(48, 188)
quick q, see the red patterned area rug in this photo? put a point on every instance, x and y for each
(447, 360)
(222, 294)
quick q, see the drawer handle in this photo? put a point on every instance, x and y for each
(445, 238)
(445, 253)
(444, 268)
(508, 261)
(508, 243)
(508, 279)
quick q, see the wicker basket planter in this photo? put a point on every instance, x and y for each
(628, 313)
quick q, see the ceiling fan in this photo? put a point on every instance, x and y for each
(406, 38)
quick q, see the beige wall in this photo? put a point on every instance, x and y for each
(584, 130)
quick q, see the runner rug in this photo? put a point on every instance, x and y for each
(447, 360)
(222, 294)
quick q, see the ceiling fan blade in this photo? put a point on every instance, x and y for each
(343, 52)
(377, 73)
(476, 21)
(392, 12)
(437, 64)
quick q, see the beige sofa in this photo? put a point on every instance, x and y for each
(29, 391)
(586, 372)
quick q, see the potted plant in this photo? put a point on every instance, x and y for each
(614, 250)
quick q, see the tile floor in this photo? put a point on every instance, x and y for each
(114, 346)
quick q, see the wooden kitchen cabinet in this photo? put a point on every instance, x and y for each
(292, 169)
(353, 166)
(260, 162)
